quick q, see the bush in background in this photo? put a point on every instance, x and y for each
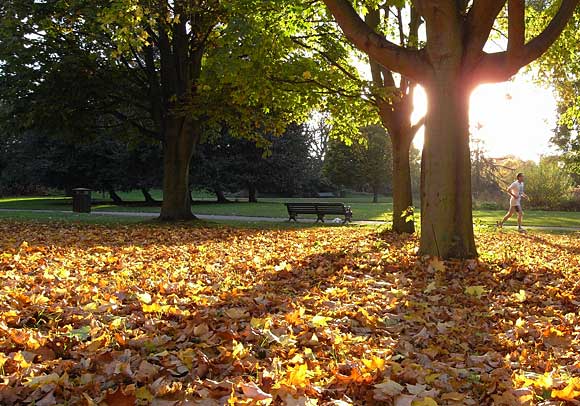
(548, 185)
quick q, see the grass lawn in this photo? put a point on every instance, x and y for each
(362, 208)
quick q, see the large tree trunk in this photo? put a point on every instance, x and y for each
(375, 194)
(178, 150)
(115, 197)
(252, 194)
(402, 191)
(221, 197)
(446, 218)
(148, 198)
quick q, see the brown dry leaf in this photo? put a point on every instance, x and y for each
(314, 316)
(252, 391)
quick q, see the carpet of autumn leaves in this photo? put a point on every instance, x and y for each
(180, 315)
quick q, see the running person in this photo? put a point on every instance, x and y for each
(516, 192)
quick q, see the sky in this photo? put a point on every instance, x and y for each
(515, 118)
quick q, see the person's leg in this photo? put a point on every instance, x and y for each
(507, 216)
(520, 217)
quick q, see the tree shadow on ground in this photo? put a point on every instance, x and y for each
(326, 314)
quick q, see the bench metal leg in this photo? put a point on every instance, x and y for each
(320, 218)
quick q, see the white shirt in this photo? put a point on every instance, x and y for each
(516, 188)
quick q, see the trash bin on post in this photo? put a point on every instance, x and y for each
(81, 200)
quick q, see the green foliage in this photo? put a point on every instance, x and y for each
(547, 184)
(35, 160)
(363, 165)
(229, 164)
(560, 68)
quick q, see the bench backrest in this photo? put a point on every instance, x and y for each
(333, 208)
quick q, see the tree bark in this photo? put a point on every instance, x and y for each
(252, 194)
(446, 217)
(148, 198)
(115, 197)
(221, 197)
(375, 195)
(402, 191)
(179, 143)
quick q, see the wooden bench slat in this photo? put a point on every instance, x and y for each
(320, 209)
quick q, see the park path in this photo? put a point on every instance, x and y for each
(253, 219)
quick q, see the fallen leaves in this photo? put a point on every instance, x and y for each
(171, 315)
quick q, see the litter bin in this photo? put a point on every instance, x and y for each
(81, 200)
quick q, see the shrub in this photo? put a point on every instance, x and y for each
(547, 185)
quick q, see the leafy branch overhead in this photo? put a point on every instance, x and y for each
(474, 23)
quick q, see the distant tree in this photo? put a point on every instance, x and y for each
(377, 162)
(104, 164)
(484, 170)
(364, 165)
(560, 68)
(343, 165)
(546, 183)
(227, 163)
(567, 138)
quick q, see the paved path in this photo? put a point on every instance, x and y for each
(252, 219)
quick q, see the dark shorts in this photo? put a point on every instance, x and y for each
(517, 208)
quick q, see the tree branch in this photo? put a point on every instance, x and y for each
(499, 67)
(415, 127)
(516, 27)
(479, 23)
(405, 61)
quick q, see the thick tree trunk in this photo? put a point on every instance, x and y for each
(252, 194)
(402, 192)
(148, 198)
(115, 197)
(375, 195)
(446, 218)
(221, 197)
(179, 142)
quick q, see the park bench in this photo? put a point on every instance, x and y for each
(320, 209)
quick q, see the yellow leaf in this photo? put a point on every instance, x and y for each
(144, 297)
(152, 308)
(374, 363)
(298, 375)
(236, 313)
(97, 343)
(437, 265)
(187, 356)
(432, 378)
(295, 317)
(307, 75)
(38, 381)
(142, 393)
(570, 392)
(387, 387)
(320, 321)
(238, 350)
(39, 299)
(90, 307)
(431, 287)
(455, 396)
(427, 401)
(475, 290)
(521, 296)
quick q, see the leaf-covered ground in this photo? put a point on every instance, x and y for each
(320, 316)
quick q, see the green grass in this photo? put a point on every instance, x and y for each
(362, 208)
